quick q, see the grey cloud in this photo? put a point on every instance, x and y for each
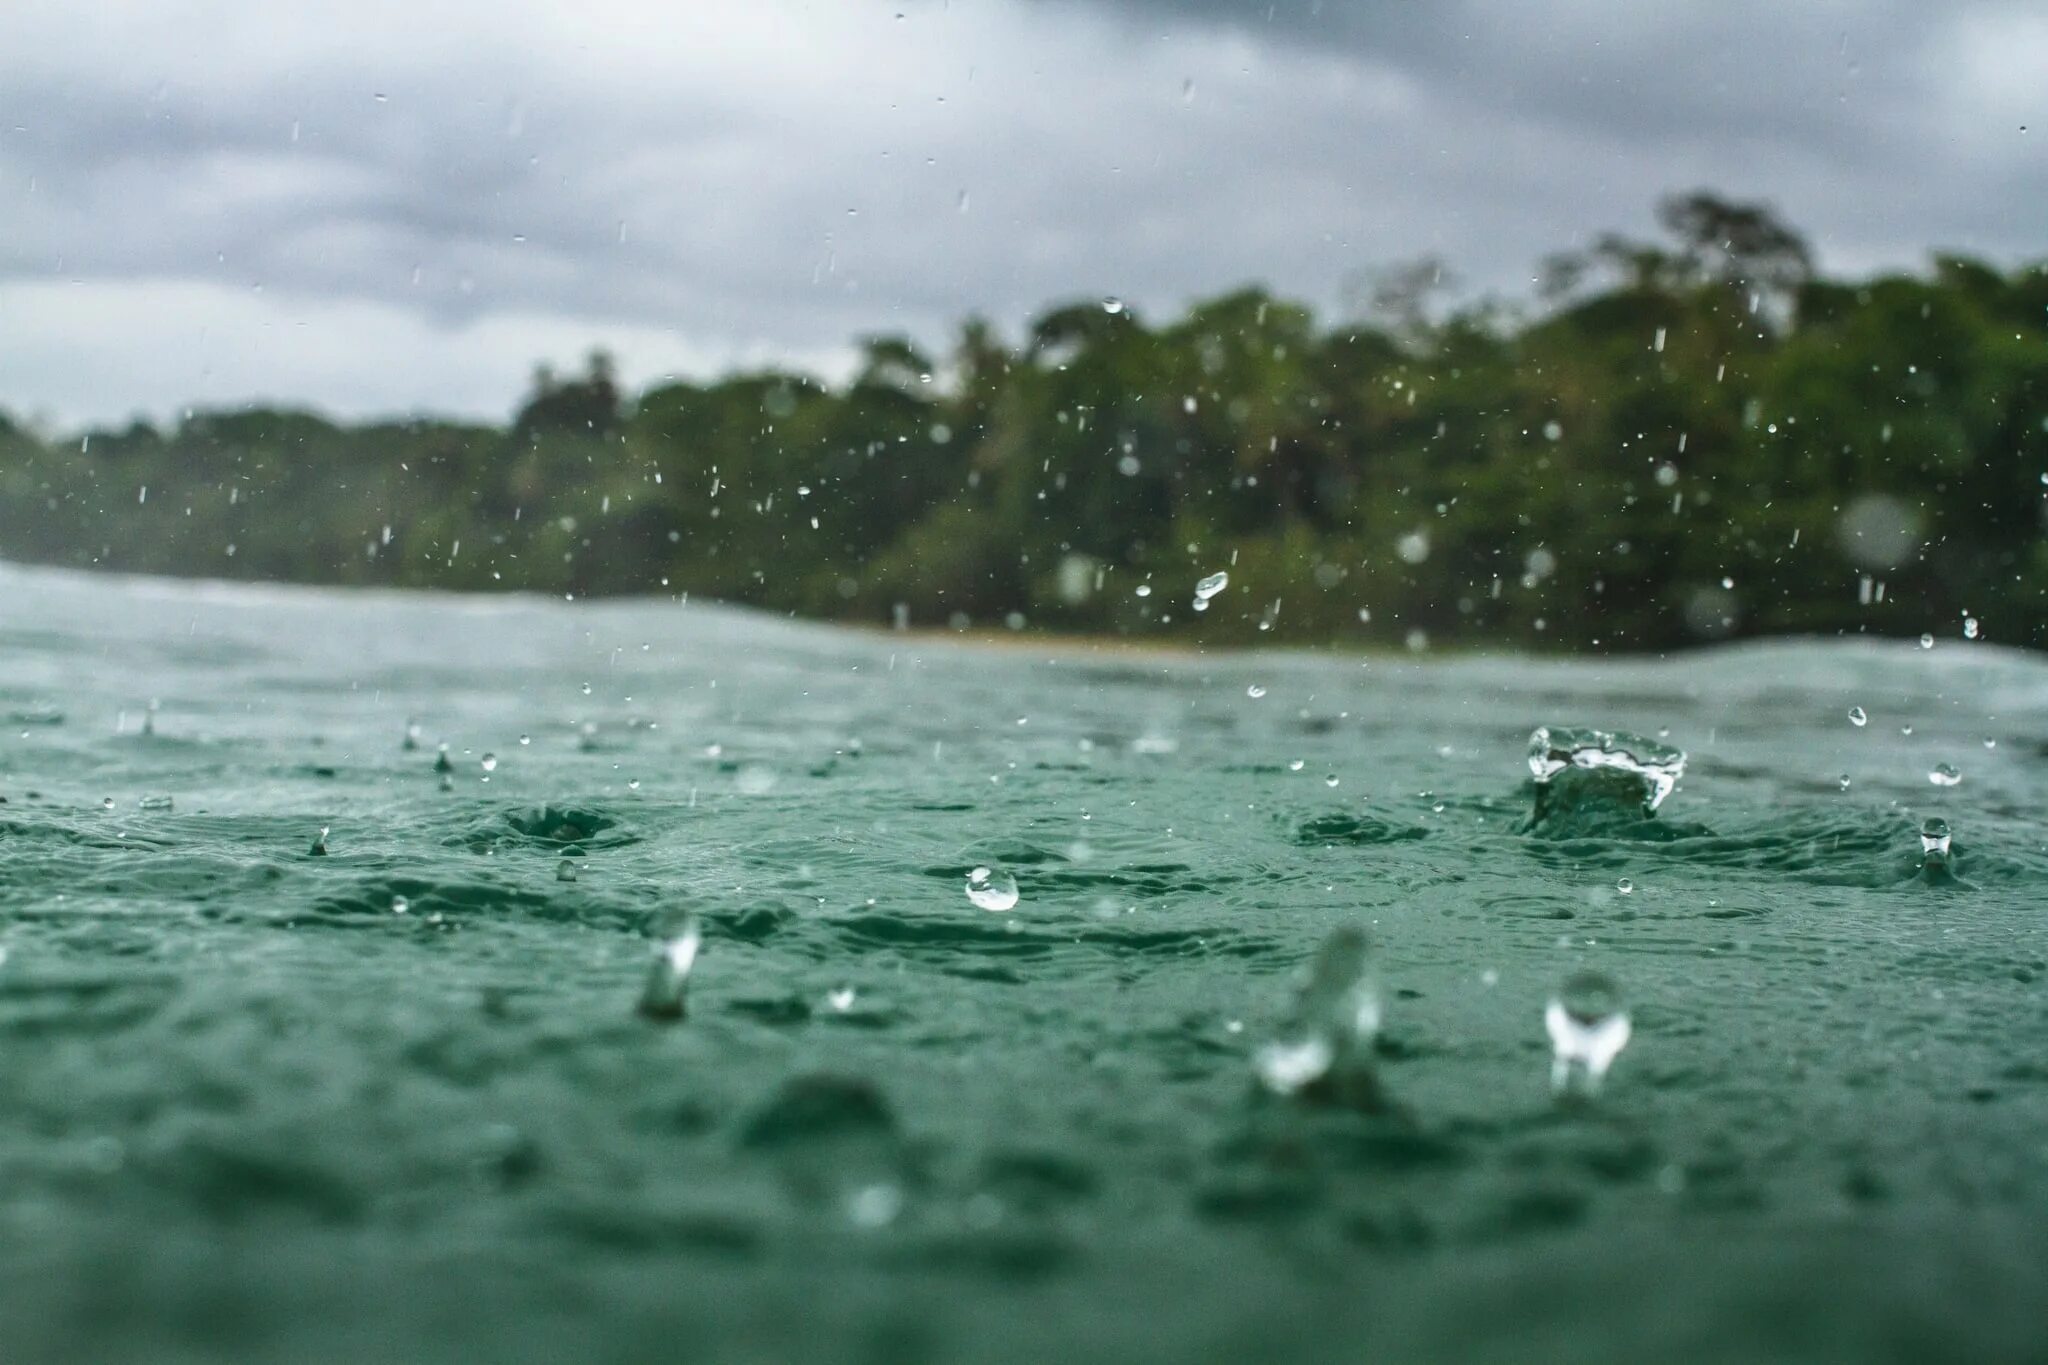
(492, 178)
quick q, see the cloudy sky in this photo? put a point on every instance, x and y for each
(387, 207)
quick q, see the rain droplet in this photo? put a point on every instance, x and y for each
(1112, 306)
(1335, 1019)
(1927, 642)
(992, 889)
(490, 762)
(586, 689)
(526, 739)
(663, 997)
(1934, 838)
(1210, 586)
(840, 999)
(1857, 717)
(1843, 780)
(399, 905)
(1255, 691)
(1142, 590)
(565, 871)
(1331, 780)
(443, 763)
(1296, 765)
(1944, 775)
(106, 803)
(1588, 1028)
(1625, 886)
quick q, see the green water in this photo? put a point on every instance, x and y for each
(253, 1112)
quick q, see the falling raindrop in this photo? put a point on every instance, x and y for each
(1255, 691)
(1331, 780)
(1588, 1028)
(1112, 306)
(1944, 775)
(663, 997)
(1926, 642)
(399, 905)
(490, 763)
(1970, 627)
(1211, 585)
(526, 739)
(565, 871)
(992, 889)
(1857, 717)
(106, 803)
(1625, 886)
(1843, 781)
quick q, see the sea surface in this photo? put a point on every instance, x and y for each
(399, 1100)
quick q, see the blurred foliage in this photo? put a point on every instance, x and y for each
(1691, 438)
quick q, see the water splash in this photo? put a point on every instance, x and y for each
(992, 889)
(1934, 839)
(319, 848)
(1588, 1027)
(1326, 1047)
(1555, 748)
(668, 976)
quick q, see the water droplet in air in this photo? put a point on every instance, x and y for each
(526, 739)
(1255, 691)
(840, 999)
(1210, 586)
(1857, 717)
(1927, 642)
(399, 905)
(632, 784)
(1843, 780)
(565, 871)
(663, 997)
(992, 889)
(1625, 886)
(1142, 590)
(490, 762)
(1297, 765)
(1934, 838)
(443, 763)
(106, 803)
(1112, 306)
(1331, 780)
(1335, 1019)
(1970, 627)
(1588, 1028)
(1944, 775)
(586, 689)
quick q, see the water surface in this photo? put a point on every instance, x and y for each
(396, 1101)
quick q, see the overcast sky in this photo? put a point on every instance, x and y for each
(384, 207)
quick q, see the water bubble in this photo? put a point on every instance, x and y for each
(490, 763)
(399, 905)
(1934, 838)
(319, 848)
(1210, 586)
(663, 997)
(1625, 886)
(1554, 748)
(1944, 775)
(1255, 691)
(992, 889)
(1588, 1028)
(1336, 1017)
(1857, 717)
(565, 871)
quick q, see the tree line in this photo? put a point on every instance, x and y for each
(1683, 439)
